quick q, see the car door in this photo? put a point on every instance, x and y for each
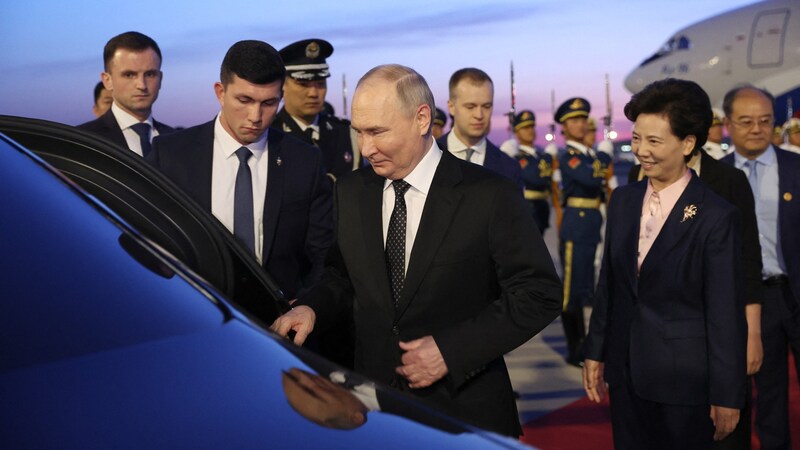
(148, 201)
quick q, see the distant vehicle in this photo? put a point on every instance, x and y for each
(110, 339)
(757, 44)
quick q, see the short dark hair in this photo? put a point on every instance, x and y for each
(253, 61)
(730, 96)
(475, 76)
(684, 103)
(98, 88)
(130, 40)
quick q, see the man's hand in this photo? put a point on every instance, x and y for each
(755, 353)
(725, 420)
(423, 363)
(755, 349)
(300, 319)
(593, 382)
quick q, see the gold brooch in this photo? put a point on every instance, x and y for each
(689, 212)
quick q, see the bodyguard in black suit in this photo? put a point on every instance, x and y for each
(471, 105)
(133, 75)
(284, 177)
(302, 114)
(478, 280)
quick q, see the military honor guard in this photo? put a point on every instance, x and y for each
(713, 145)
(791, 129)
(604, 152)
(537, 168)
(777, 136)
(582, 181)
(439, 122)
(303, 115)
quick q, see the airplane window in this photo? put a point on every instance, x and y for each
(668, 47)
(675, 43)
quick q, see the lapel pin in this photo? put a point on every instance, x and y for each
(787, 196)
(689, 212)
(278, 161)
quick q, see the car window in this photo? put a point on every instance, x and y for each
(75, 282)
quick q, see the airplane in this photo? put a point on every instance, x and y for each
(757, 44)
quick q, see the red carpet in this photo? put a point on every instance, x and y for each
(586, 425)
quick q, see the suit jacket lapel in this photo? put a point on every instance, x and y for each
(491, 159)
(630, 232)
(113, 127)
(680, 220)
(275, 185)
(437, 216)
(370, 205)
(289, 126)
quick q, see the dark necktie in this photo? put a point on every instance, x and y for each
(396, 241)
(143, 130)
(468, 154)
(309, 132)
(243, 201)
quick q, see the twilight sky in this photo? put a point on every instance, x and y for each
(51, 51)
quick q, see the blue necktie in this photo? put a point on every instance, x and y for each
(243, 201)
(752, 177)
(396, 241)
(143, 130)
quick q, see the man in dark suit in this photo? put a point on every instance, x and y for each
(773, 175)
(267, 188)
(133, 75)
(471, 103)
(303, 116)
(732, 185)
(668, 329)
(479, 280)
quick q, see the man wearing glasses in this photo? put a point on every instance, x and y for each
(772, 172)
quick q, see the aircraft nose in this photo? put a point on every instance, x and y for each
(634, 82)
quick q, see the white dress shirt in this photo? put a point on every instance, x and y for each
(456, 147)
(420, 180)
(126, 121)
(225, 166)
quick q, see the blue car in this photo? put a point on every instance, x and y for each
(117, 332)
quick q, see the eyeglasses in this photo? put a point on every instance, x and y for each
(748, 122)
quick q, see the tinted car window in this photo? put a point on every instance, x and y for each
(157, 209)
(79, 308)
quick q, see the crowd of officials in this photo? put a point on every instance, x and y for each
(408, 261)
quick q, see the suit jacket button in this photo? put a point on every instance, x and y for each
(396, 330)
